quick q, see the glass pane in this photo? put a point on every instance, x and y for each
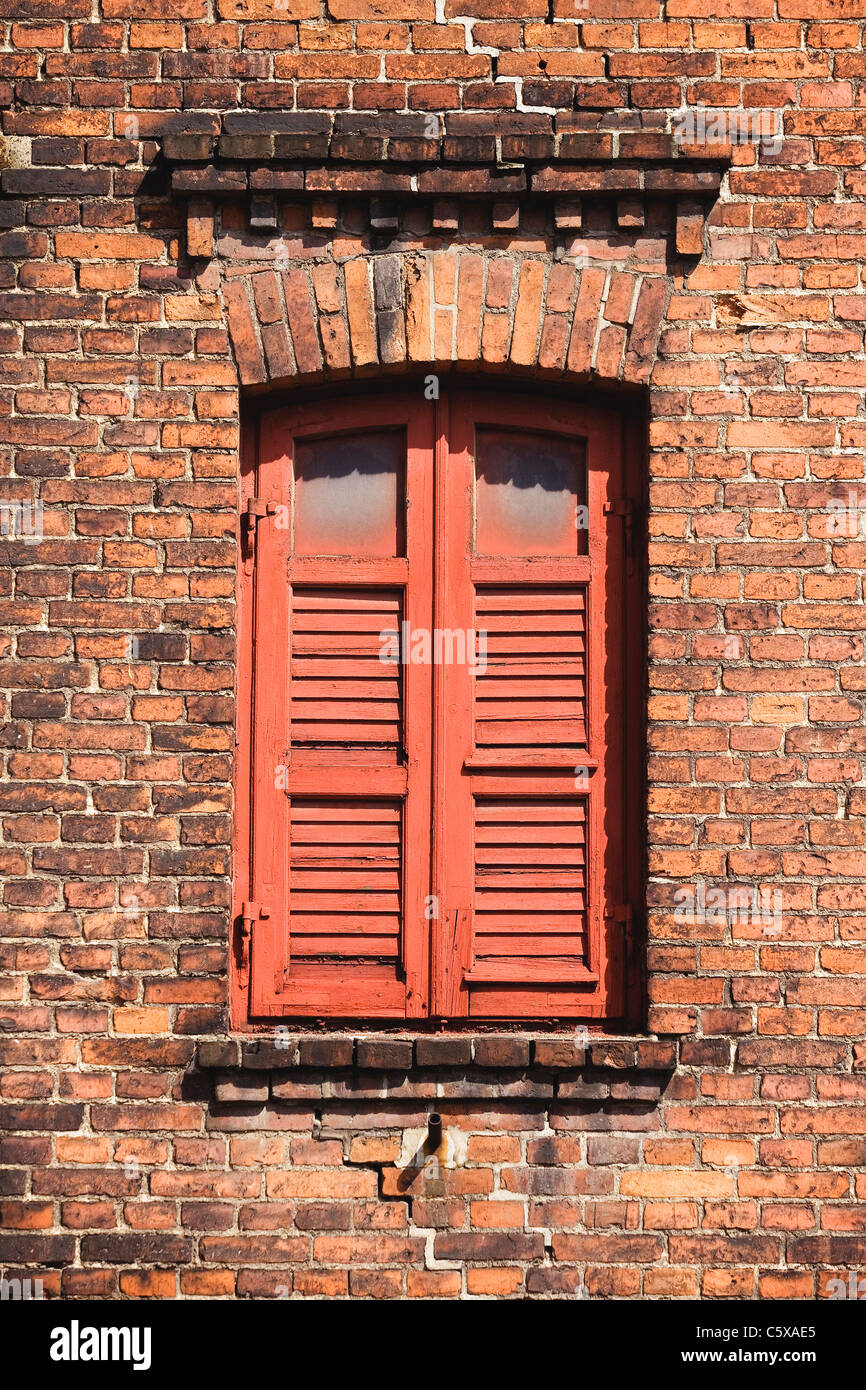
(529, 494)
(349, 494)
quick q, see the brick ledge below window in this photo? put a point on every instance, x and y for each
(424, 1065)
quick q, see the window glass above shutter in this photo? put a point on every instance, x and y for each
(349, 494)
(528, 488)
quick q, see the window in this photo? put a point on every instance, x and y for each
(439, 762)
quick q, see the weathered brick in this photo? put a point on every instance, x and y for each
(412, 214)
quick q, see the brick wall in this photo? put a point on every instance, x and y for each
(142, 1153)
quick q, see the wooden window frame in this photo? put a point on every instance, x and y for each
(434, 960)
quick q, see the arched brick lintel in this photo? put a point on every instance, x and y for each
(295, 322)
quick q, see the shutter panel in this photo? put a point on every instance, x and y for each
(532, 772)
(339, 717)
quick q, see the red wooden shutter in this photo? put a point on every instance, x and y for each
(341, 803)
(529, 858)
(455, 835)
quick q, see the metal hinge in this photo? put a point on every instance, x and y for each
(626, 507)
(251, 912)
(621, 913)
(256, 508)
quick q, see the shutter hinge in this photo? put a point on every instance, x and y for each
(624, 915)
(251, 912)
(256, 508)
(621, 913)
(627, 508)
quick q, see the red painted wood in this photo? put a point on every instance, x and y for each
(426, 848)
(341, 738)
(549, 701)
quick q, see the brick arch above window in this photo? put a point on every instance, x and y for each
(345, 243)
(443, 308)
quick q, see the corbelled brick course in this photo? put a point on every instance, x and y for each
(207, 198)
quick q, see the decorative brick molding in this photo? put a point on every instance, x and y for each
(255, 1073)
(477, 1053)
(540, 243)
(470, 308)
(454, 154)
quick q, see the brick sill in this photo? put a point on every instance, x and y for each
(428, 1065)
